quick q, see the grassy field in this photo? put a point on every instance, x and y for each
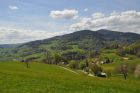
(43, 78)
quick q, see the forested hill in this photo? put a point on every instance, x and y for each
(97, 39)
(82, 41)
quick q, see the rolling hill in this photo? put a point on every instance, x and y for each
(85, 41)
(96, 38)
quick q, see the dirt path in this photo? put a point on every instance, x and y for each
(69, 70)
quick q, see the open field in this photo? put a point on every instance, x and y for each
(43, 78)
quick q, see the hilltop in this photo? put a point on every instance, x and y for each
(83, 41)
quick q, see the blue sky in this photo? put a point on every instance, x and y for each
(54, 17)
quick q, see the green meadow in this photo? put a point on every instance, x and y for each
(44, 78)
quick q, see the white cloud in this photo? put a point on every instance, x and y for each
(114, 13)
(18, 35)
(13, 7)
(97, 15)
(86, 9)
(127, 21)
(65, 14)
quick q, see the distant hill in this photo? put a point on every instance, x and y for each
(9, 45)
(85, 40)
(125, 37)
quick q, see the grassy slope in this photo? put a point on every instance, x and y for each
(43, 78)
(117, 60)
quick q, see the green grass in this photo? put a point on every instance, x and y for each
(114, 64)
(117, 60)
(43, 78)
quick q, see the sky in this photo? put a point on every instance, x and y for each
(28, 20)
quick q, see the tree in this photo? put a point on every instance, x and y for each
(123, 69)
(48, 58)
(138, 53)
(26, 63)
(137, 71)
(73, 64)
(94, 54)
(74, 54)
(107, 60)
(133, 49)
(57, 58)
(95, 68)
(83, 64)
(121, 52)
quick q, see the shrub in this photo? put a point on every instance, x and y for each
(137, 71)
(86, 69)
(108, 72)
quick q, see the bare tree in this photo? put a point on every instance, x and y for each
(27, 64)
(124, 70)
